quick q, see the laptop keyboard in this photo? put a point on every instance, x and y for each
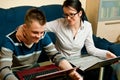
(31, 76)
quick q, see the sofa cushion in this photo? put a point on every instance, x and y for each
(1, 39)
(52, 12)
(101, 43)
(115, 49)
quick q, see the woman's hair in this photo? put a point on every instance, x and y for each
(76, 4)
(35, 14)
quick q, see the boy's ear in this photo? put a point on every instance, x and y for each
(24, 26)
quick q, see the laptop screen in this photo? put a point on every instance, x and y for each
(58, 75)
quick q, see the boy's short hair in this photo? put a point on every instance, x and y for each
(34, 14)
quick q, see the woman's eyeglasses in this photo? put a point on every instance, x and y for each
(71, 15)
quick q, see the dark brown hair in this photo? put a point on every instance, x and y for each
(35, 14)
(76, 4)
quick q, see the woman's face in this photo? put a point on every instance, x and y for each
(71, 15)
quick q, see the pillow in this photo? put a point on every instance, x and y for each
(115, 48)
(101, 43)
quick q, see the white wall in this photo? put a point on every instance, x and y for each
(13, 3)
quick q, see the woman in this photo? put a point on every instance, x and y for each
(72, 32)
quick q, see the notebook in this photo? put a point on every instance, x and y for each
(91, 62)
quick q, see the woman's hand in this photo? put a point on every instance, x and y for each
(20, 34)
(110, 55)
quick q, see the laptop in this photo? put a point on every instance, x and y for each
(48, 72)
(104, 63)
(58, 75)
(91, 62)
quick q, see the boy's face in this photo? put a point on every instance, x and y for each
(34, 32)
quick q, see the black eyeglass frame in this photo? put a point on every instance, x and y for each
(71, 15)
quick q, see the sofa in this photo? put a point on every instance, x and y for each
(11, 18)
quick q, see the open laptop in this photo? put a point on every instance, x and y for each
(104, 63)
(58, 75)
(91, 62)
(48, 72)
